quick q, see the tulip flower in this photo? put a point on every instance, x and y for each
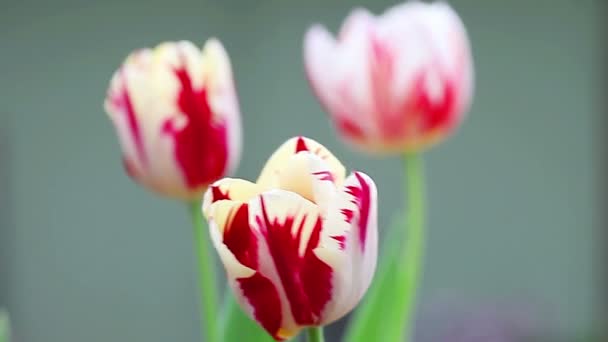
(177, 118)
(299, 246)
(397, 82)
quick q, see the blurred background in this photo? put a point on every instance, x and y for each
(514, 247)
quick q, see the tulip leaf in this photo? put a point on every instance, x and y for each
(372, 317)
(5, 333)
(237, 327)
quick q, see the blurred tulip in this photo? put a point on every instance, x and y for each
(300, 245)
(397, 82)
(177, 117)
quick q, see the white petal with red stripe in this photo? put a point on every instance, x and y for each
(398, 81)
(304, 252)
(176, 115)
(269, 177)
(350, 242)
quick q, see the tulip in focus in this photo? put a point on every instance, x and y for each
(177, 117)
(398, 82)
(300, 245)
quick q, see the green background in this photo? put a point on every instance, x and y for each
(87, 255)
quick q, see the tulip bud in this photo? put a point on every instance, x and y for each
(397, 82)
(300, 245)
(176, 114)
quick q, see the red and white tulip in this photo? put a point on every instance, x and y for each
(397, 82)
(299, 246)
(176, 114)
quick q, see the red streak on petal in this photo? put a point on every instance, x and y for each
(259, 291)
(200, 147)
(348, 215)
(381, 74)
(264, 298)
(435, 114)
(301, 145)
(122, 100)
(305, 278)
(324, 176)
(348, 127)
(362, 199)
(218, 195)
(341, 240)
(316, 277)
(239, 238)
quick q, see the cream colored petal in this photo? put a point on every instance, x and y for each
(217, 71)
(234, 269)
(234, 189)
(141, 98)
(150, 79)
(220, 216)
(117, 110)
(270, 175)
(309, 176)
(216, 66)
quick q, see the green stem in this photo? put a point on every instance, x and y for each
(208, 295)
(5, 327)
(413, 253)
(315, 334)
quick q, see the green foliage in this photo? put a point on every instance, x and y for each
(375, 313)
(5, 329)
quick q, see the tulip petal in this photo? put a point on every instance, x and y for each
(309, 176)
(319, 51)
(432, 79)
(191, 139)
(353, 212)
(452, 45)
(237, 247)
(349, 242)
(302, 253)
(290, 227)
(338, 73)
(177, 103)
(394, 82)
(356, 18)
(361, 191)
(119, 103)
(234, 189)
(232, 238)
(261, 299)
(270, 176)
(220, 81)
(138, 102)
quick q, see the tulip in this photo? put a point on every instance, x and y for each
(299, 246)
(176, 114)
(398, 82)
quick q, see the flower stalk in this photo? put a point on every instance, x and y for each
(208, 293)
(410, 273)
(315, 334)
